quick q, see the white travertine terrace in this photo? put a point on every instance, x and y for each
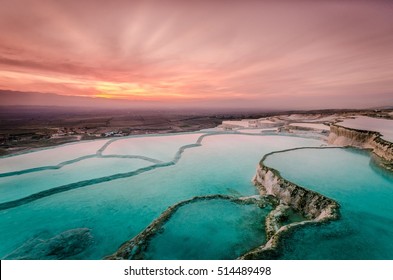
(383, 126)
(317, 126)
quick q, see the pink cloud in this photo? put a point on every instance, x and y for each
(250, 53)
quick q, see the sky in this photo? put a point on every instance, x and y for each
(235, 54)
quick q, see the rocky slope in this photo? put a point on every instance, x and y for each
(312, 205)
(343, 136)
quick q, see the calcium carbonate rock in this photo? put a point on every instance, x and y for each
(343, 136)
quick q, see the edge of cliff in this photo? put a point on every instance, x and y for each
(315, 207)
(344, 136)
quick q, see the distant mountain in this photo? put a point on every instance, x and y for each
(37, 99)
(18, 98)
(383, 108)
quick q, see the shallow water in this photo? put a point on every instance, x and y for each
(117, 207)
(365, 193)
(15, 187)
(219, 229)
(158, 147)
(49, 156)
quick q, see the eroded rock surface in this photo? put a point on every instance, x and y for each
(314, 206)
(343, 136)
(310, 204)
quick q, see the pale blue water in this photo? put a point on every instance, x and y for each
(14, 187)
(158, 147)
(116, 207)
(365, 193)
(219, 229)
(50, 156)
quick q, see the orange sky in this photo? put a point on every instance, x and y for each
(257, 54)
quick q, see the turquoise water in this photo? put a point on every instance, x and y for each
(14, 187)
(219, 229)
(365, 193)
(113, 201)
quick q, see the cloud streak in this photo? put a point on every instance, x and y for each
(292, 54)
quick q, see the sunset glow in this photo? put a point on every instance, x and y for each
(295, 54)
